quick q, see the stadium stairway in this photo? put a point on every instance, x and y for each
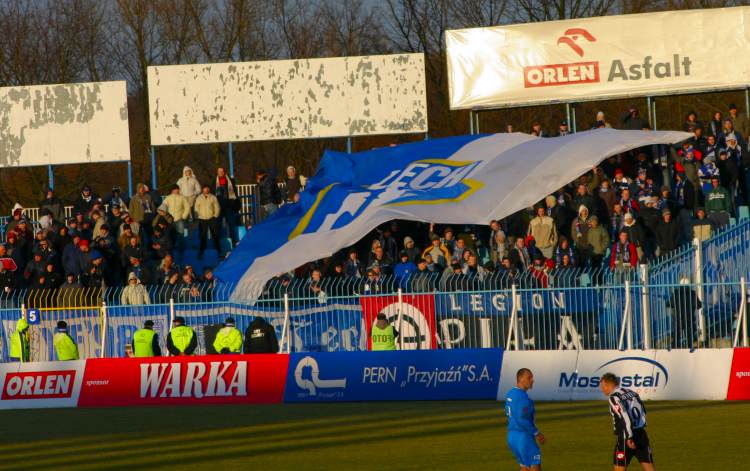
(210, 257)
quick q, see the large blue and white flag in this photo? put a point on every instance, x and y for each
(456, 180)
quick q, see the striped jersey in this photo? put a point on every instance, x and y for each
(628, 412)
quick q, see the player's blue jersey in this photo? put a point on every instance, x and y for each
(519, 409)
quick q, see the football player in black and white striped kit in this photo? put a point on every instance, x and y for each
(629, 419)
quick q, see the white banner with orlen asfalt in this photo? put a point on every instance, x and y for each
(597, 58)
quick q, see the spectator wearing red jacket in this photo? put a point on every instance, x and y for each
(624, 255)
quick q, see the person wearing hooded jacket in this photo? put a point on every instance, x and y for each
(65, 347)
(19, 342)
(190, 187)
(134, 294)
(228, 338)
(16, 215)
(579, 234)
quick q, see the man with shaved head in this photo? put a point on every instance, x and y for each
(522, 431)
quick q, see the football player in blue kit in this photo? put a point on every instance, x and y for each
(522, 432)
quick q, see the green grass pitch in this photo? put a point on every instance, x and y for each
(361, 436)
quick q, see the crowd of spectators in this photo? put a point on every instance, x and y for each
(630, 209)
(627, 211)
(117, 241)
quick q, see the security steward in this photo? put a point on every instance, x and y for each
(260, 337)
(65, 346)
(228, 338)
(146, 341)
(181, 340)
(19, 342)
(383, 335)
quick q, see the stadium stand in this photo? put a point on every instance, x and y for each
(653, 232)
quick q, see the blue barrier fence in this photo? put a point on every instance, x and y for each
(592, 317)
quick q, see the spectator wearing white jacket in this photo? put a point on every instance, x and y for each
(207, 210)
(179, 208)
(134, 294)
(190, 188)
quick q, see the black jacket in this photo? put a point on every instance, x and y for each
(260, 337)
(667, 236)
(269, 191)
(684, 299)
(634, 123)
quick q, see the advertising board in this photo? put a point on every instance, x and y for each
(394, 375)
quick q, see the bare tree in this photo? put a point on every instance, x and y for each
(297, 27)
(548, 10)
(479, 13)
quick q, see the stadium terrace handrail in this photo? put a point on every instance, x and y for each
(247, 193)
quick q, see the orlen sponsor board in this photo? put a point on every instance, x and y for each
(617, 70)
(41, 384)
(739, 378)
(211, 379)
(654, 374)
(595, 58)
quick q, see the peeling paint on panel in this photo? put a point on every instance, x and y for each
(348, 96)
(67, 123)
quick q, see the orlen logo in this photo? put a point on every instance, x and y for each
(630, 380)
(571, 36)
(563, 74)
(39, 385)
(221, 378)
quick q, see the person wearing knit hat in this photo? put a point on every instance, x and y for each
(411, 250)
(228, 339)
(146, 342)
(65, 346)
(181, 340)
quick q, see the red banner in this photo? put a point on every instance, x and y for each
(417, 323)
(210, 379)
(739, 377)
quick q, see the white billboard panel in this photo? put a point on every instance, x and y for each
(597, 58)
(288, 99)
(64, 124)
(654, 374)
